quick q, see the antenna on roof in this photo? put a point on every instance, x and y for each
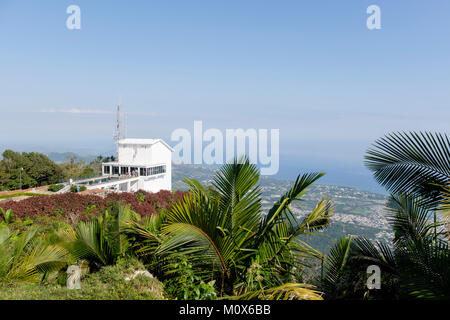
(125, 120)
(117, 131)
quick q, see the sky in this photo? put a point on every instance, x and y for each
(309, 68)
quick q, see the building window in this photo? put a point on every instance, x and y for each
(123, 170)
(106, 169)
(142, 171)
(156, 170)
(115, 170)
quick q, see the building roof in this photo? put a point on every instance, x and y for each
(145, 142)
(124, 164)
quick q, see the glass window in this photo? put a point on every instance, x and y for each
(156, 170)
(115, 170)
(106, 169)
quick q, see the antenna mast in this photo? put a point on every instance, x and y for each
(117, 132)
(125, 124)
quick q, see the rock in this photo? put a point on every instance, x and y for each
(139, 272)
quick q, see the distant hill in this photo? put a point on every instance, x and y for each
(59, 157)
(357, 212)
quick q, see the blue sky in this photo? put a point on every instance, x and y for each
(310, 68)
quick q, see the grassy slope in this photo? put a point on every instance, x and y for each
(107, 284)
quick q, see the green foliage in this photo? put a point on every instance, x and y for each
(87, 172)
(99, 240)
(14, 180)
(74, 188)
(20, 194)
(145, 238)
(107, 284)
(415, 168)
(186, 284)
(416, 163)
(7, 215)
(24, 257)
(141, 197)
(79, 169)
(287, 291)
(55, 187)
(418, 265)
(38, 170)
(258, 277)
(222, 230)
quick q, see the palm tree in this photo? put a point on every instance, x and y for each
(223, 230)
(99, 240)
(23, 257)
(7, 215)
(415, 168)
(416, 163)
(418, 264)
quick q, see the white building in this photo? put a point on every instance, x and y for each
(144, 164)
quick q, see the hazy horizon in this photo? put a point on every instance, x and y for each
(350, 176)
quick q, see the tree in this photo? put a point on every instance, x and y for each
(225, 234)
(417, 266)
(16, 176)
(416, 163)
(99, 240)
(24, 258)
(72, 168)
(42, 169)
(415, 168)
(38, 170)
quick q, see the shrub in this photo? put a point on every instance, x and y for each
(7, 215)
(74, 188)
(55, 187)
(72, 207)
(187, 285)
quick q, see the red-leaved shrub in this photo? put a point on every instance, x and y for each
(73, 207)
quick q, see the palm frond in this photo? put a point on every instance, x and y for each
(335, 263)
(280, 209)
(417, 163)
(287, 291)
(91, 243)
(22, 258)
(364, 250)
(409, 218)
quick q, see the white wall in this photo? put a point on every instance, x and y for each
(136, 154)
(149, 155)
